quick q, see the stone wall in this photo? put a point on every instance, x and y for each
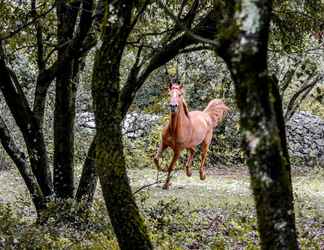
(305, 134)
(136, 124)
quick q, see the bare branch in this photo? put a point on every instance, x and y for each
(185, 28)
(302, 93)
(39, 37)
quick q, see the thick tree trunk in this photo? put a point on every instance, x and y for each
(262, 125)
(268, 162)
(123, 211)
(89, 178)
(110, 162)
(20, 161)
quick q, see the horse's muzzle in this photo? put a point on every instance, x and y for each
(173, 107)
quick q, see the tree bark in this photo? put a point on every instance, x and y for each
(64, 103)
(19, 159)
(88, 180)
(128, 224)
(262, 125)
(28, 124)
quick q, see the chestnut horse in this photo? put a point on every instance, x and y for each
(186, 130)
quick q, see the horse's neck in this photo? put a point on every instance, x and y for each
(180, 120)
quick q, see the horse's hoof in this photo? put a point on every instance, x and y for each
(166, 186)
(189, 174)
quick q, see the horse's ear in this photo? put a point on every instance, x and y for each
(181, 86)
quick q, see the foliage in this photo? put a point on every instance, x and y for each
(176, 225)
(173, 225)
(90, 230)
(293, 21)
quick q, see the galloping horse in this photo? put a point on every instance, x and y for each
(186, 130)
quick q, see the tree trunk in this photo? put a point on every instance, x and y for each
(110, 161)
(262, 126)
(267, 160)
(123, 211)
(128, 224)
(64, 132)
(88, 180)
(28, 124)
(19, 159)
(64, 103)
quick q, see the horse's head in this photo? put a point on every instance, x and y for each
(176, 92)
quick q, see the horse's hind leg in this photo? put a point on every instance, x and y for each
(189, 161)
(170, 168)
(158, 154)
(204, 149)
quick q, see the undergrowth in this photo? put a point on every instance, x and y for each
(173, 225)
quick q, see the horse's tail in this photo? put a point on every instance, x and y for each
(216, 109)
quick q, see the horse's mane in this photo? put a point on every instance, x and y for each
(216, 109)
(185, 107)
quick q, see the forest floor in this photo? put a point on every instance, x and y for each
(224, 186)
(217, 213)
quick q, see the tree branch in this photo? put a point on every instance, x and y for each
(20, 161)
(185, 27)
(303, 92)
(39, 38)
(15, 32)
(206, 27)
(27, 123)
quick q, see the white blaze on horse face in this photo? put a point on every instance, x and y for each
(174, 100)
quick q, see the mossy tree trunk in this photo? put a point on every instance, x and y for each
(262, 124)
(128, 224)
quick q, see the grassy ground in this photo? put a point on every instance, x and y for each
(219, 187)
(225, 186)
(217, 213)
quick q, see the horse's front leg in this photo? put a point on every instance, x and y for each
(189, 161)
(170, 168)
(158, 154)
